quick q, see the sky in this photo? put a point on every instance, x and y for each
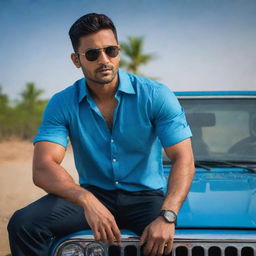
(198, 44)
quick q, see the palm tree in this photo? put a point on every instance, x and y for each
(3, 100)
(30, 96)
(133, 51)
(29, 111)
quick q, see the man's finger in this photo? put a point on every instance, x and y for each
(143, 237)
(161, 248)
(103, 235)
(96, 234)
(148, 247)
(116, 233)
(168, 247)
(155, 249)
(110, 235)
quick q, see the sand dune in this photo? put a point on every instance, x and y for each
(16, 186)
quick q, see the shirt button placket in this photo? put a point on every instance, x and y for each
(114, 160)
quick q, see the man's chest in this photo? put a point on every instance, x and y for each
(107, 110)
(123, 121)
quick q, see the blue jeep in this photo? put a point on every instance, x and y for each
(218, 217)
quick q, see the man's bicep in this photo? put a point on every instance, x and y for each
(46, 164)
(169, 118)
(54, 126)
(181, 150)
(47, 151)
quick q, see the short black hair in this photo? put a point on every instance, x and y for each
(88, 24)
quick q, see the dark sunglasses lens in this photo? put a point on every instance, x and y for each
(92, 54)
(112, 51)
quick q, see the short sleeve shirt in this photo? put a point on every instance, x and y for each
(147, 117)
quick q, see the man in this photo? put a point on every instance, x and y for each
(115, 122)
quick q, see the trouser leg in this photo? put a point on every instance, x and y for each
(33, 228)
(139, 209)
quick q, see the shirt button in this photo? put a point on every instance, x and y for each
(117, 182)
(112, 141)
(114, 160)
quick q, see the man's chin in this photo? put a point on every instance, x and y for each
(105, 79)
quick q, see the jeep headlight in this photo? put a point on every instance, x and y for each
(94, 249)
(71, 249)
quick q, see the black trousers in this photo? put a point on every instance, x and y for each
(33, 229)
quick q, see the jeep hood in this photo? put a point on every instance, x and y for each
(220, 198)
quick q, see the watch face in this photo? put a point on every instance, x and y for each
(170, 217)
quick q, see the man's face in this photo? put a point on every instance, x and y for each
(104, 69)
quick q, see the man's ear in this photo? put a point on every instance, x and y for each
(76, 60)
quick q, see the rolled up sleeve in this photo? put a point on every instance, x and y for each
(54, 126)
(169, 117)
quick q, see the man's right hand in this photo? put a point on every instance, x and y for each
(101, 221)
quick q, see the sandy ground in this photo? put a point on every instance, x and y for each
(16, 186)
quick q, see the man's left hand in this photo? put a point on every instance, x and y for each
(157, 238)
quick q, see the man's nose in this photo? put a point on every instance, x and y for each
(103, 57)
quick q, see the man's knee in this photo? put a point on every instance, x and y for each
(27, 234)
(21, 222)
(17, 221)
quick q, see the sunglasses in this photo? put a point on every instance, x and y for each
(93, 54)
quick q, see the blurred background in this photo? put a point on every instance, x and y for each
(185, 44)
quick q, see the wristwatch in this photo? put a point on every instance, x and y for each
(169, 216)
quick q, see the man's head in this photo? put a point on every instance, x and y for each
(95, 43)
(89, 24)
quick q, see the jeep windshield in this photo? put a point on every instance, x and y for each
(224, 130)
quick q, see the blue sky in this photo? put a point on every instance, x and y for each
(199, 44)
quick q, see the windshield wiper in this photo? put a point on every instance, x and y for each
(198, 164)
(228, 163)
(207, 165)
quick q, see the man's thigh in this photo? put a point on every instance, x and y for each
(138, 209)
(58, 216)
(53, 215)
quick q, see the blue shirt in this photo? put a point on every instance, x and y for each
(147, 117)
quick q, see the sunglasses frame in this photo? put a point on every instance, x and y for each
(98, 50)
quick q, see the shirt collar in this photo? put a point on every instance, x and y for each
(125, 85)
(82, 89)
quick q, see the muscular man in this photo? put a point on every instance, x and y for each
(117, 124)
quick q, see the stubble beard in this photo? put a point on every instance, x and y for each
(102, 79)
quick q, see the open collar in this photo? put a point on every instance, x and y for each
(125, 85)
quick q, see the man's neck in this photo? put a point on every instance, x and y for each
(103, 92)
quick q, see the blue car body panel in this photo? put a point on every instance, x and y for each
(220, 198)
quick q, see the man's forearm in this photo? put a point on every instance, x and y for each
(54, 179)
(179, 183)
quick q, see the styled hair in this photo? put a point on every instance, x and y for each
(88, 24)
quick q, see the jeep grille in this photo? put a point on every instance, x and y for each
(214, 249)
(181, 248)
